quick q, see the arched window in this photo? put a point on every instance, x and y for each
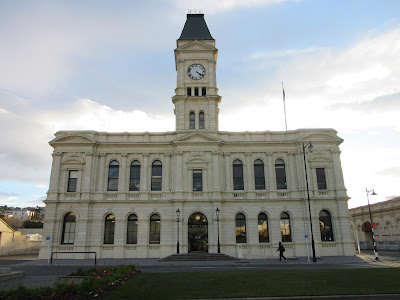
(201, 120)
(131, 234)
(285, 228)
(191, 120)
(155, 226)
(238, 175)
(325, 226)
(109, 226)
(259, 178)
(68, 233)
(280, 173)
(240, 228)
(134, 180)
(263, 236)
(156, 176)
(113, 173)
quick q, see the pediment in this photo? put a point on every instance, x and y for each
(197, 137)
(72, 138)
(321, 137)
(195, 46)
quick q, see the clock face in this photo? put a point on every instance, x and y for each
(196, 71)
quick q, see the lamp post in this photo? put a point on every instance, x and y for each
(217, 211)
(372, 223)
(178, 213)
(310, 149)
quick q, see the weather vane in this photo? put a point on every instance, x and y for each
(195, 11)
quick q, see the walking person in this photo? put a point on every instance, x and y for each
(281, 249)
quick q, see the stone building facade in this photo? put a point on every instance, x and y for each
(386, 216)
(196, 189)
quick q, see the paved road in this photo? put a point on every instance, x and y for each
(40, 273)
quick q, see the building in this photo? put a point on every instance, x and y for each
(196, 189)
(386, 216)
(13, 242)
(20, 213)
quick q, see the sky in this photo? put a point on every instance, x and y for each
(109, 66)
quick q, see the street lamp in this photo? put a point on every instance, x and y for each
(310, 149)
(217, 211)
(372, 223)
(178, 213)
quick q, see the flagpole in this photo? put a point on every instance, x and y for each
(284, 105)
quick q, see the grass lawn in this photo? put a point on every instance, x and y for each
(215, 284)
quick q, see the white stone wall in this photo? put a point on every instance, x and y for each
(90, 153)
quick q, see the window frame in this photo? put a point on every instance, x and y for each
(156, 180)
(109, 229)
(285, 237)
(327, 235)
(202, 120)
(281, 179)
(237, 175)
(72, 181)
(154, 230)
(258, 179)
(132, 231)
(113, 176)
(240, 224)
(67, 232)
(262, 237)
(321, 178)
(197, 176)
(192, 120)
(134, 176)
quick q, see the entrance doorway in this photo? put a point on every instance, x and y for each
(198, 233)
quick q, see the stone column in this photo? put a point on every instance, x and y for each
(167, 172)
(179, 163)
(249, 174)
(123, 174)
(292, 168)
(216, 186)
(228, 178)
(55, 172)
(87, 172)
(271, 184)
(101, 170)
(146, 168)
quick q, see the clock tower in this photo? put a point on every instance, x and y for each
(196, 95)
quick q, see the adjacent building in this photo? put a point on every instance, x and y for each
(386, 216)
(196, 189)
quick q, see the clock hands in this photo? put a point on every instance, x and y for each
(199, 73)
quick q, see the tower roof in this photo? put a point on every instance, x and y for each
(195, 28)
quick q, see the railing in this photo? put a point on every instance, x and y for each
(95, 255)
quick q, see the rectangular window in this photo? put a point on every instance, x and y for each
(189, 91)
(203, 91)
(69, 233)
(196, 91)
(321, 180)
(197, 180)
(72, 181)
(155, 228)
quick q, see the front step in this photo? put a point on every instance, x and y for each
(198, 257)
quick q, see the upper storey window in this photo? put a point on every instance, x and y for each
(201, 120)
(321, 179)
(113, 173)
(189, 91)
(259, 178)
(280, 172)
(134, 180)
(156, 175)
(196, 91)
(191, 120)
(203, 91)
(238, 175)
(72, 181)
(197, 180)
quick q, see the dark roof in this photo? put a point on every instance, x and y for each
(195, 28)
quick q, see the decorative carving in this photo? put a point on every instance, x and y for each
(56, 154)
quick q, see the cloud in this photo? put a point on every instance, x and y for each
(8, 198)
(212, 7)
